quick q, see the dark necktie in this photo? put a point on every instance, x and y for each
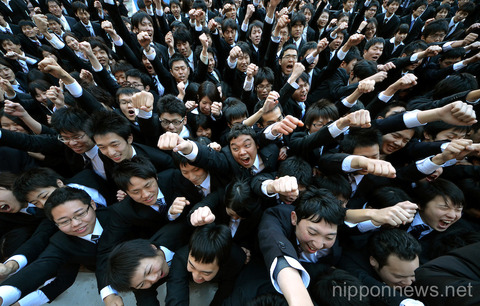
(412, 23)
(87, 162)
(417, 230)
(95, 238)
(162, 206)
(200, 191)
(32, 211)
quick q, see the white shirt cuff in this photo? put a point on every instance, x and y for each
(230, 64)
(118, 42)
(264, 189)
(97, 70)
(459, 65)
(335, 131)
(447, 46)
(426, 166)
(198, 28)
(410, 119)
(366, 226)
(111, 2)
(55, 42)
(414, 57)
(106, 291)
(21, 261)
(268, 133)
(248, 85)
(152, 54)
(144, 115)
(172, 217)
(159, 12)
(294, 264)
(347, 164)
(75, 89)
(348, 104)
(30, 60)
(149, 10)
(244, 27)
(9, 294)
(268, 20)
(35, 298)
(384, 98)
(310, 59)
(204, 59)
(295, 85)
(193, 155)
(341, 54)
(443, 146)
(276, 39)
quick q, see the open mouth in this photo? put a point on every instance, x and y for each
(4, 207)
(444, 224)
(245, 161)
(311, 249)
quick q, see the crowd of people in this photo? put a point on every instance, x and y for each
(303, 152)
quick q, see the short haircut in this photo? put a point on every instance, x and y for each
(393, 1)
(240, 198)
(240, 129)
(41, 85)
(177, 57)
(144, 78)
(138, 17)
(24, 23)
(443, 7)
(124, 260)
(304, 77)
(199, 4)
(288, 47)
(69, 119)
(104, 122)
(321, 109)
(364, 68)
(121, 66)
(318, 204)
(174, 2)
(140, 167)
(386, 197)
(7, 180)
(454, 84)
(374, 41)
(34, 179)
(425, 192)
(467, 7)
(307, 46)
(172, 105)
(452, 53)
(182, 35)
(211, 242)
(245, 48)
(62, 195)
(336, 183)
(234, 109)
(98, 42)
(396, 242)
(361, 138)
(323, 290)
(252, 25)
(51, 17)
(403, 29)
(434, 27)
(297, 18)
(229, 23)
(79, 5)
(412, 47)
(130, 91)
(435, 127)
(374, 3)
(179, 160)
(14, 39)
(297, 167)
(418, 4)
(264, 73)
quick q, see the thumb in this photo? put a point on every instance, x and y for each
(300, 123)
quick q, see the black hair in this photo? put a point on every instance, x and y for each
(418, 4)
(434, 27)
(144, 78)
(392, 1)
(325, 290)
(374, 41)
(321, 109)
(425, 192)
(174, 2)
(13, 240)
(98, 42)
(62, 195)
(452, 239)
(69, 119)
(23, 23)
(234, 109)
(264, 73)
(396, 242)
(386, 197)
(54, 18)
(255, 23)
(136, 167)
(16, 120)
(296, 18)
(403, 29)
(364, 68)
(175, 58)
(240, 198)
(37, 84)
(124, 260)
(412, 47)
(172, 105)
(245, 48)
(7, 179)
(454, 84)
(33, 179)
(238, 130)
(208, 89)
(435, 127)
(79, 5)
(211, 242)
(104, 122)
(229, 23)
(307, 46)
(121, 66)
(199, 4)
(445, 6)
(14, 39)
(452, 53)
(182, 35)
(361, 138)
(137, 18)
(130, 91)
(288, 47)
(318, 204)
(467, 7)
(297, 167)
(336, 183)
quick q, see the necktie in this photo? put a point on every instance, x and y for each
(451, 29)
(8, 31)
(95, 238)
(200, 191)
(386, 20)
(162, 206)
(412, 23)
(87, 162)
(32, 211)
(89, 29)
(417, 230)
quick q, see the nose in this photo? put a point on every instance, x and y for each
(111, 152)
(151, 278)
(76, 222)
(451, 214)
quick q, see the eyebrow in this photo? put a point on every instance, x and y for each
(74, 213)
(196, 268)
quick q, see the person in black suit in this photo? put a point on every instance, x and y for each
(8, 27)
(85, 27)
(29, 39)
(414, 21)
(176, 14)
(394, 46)
(296, 26)
(55, 7)
(81, 228)
(300, 241)
(459, 269)
(388, 22)
(389, 265)
(15, 11)
(242, 158)
(153, 207)
(456, 27)
(210, 256)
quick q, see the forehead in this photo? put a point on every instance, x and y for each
(240, 140)
(397, 265)
(67, 208)
(367, 151)
(170, 116)
(322, 227)
(202, 266)
(290, 52)
(439, 200)
(125, 96)
(376, 46)
(179, 63)
(138, 182)
(98, 49)
(107, 138)
(71, 134)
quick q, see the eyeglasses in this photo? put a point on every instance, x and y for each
(166, 123)
(290, 56)
(68, 139)
(77, 217)
(264, 87)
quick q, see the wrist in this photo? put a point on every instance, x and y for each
(438, 159)
(12, 266)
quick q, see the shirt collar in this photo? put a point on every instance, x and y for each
(92, 152)
(185, 133)
(97, 230)
(206, 182)
(418, 221)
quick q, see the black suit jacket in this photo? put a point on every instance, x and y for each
(81, 32)
(387, 30)
(308, 146)
(178, 282)
(415, 30)
(18, 11)
(62, 249)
